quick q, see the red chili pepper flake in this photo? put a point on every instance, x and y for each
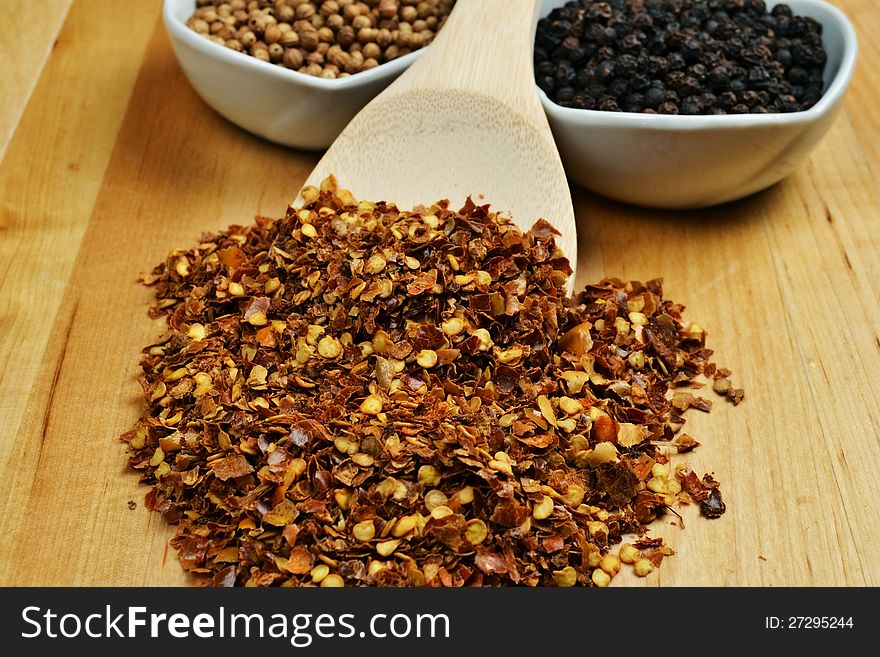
(359, 395)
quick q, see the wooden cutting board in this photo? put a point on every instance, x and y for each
(108, 160)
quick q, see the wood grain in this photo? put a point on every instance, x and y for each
(49, 178)
(786, 282)
(26, 39)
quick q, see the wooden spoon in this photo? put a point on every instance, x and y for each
(463, 120)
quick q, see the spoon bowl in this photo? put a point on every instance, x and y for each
(463, 121)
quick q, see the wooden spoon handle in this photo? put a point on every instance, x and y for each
(484, 47)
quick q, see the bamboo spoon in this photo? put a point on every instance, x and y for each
(463, 120)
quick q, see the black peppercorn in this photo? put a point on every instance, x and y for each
(564, 95)
(608, 104)
(797, 75)
(600, 10)
(718, 77)
(627, 65)
(654, 96)
(605, 70)
(676, 61)
(565, 75)
(639, 82)
(618, 88)
(707, 101)
(631, 43)
(634, 102)
(680, 56)
(570, 44)
(783, 56)
(750, 98)
(727, 99)
(546, 83)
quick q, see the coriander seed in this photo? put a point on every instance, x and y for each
(302, 28)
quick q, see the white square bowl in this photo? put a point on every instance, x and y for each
(284, 106)
(695, 161)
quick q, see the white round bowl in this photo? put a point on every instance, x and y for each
(695, 161)
(284, 106)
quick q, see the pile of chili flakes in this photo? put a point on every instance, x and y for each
(358, 395)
